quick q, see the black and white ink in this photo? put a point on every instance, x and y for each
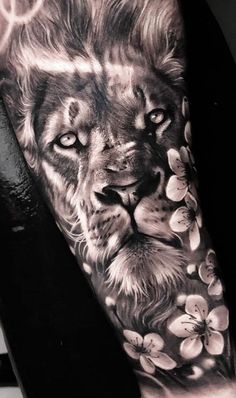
(95, 90)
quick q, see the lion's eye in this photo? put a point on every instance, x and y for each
(157, 116)
(68, 140)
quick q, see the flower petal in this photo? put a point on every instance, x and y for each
(192, 160)
(175, 162)
(193, 189)
(197, 372)
(131, 351)
(199, 218)
(215, 288)
(188, 133)
(180, 220)
(194, 236)
(191, 202)
(147, 364)
(176, 188)
(183, 326)
(191, 347)
(214, 342)
(133, 338)
(191, 269)
(184, 155)
(197, 306)
(163, 361)
(211, 258)
(206, 273)
(218, 318)
(153, 342)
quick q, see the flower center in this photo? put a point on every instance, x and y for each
(189, 173)
(200, 328)
(213, 271)
(143, 350)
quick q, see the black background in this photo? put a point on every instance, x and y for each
(225, 12)
(60, 342)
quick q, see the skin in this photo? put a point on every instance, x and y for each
(103, 120)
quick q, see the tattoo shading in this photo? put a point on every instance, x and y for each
(96, 94)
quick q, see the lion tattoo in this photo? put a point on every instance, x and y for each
(95, 120)
(96, 95)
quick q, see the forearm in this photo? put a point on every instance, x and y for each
(97, 97)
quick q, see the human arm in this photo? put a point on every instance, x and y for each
(107, 137)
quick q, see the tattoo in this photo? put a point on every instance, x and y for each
(96, 94)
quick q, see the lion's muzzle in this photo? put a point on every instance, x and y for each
(126, 175)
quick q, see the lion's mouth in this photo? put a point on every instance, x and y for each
(143, 262)
(139, 239)
(127, 219)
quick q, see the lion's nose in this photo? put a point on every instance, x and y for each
(129, 195)
(125, 194)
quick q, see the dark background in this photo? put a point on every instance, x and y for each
(225, 12)
(61, 344)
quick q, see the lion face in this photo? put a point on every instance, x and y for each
(96, 105)
(102, 140)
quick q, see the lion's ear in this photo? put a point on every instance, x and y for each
(158, 31)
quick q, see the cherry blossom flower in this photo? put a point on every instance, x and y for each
(200, 328)
(147, 351)
(188, 134)
(180, 183)
(209, 275)
(188, 218)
